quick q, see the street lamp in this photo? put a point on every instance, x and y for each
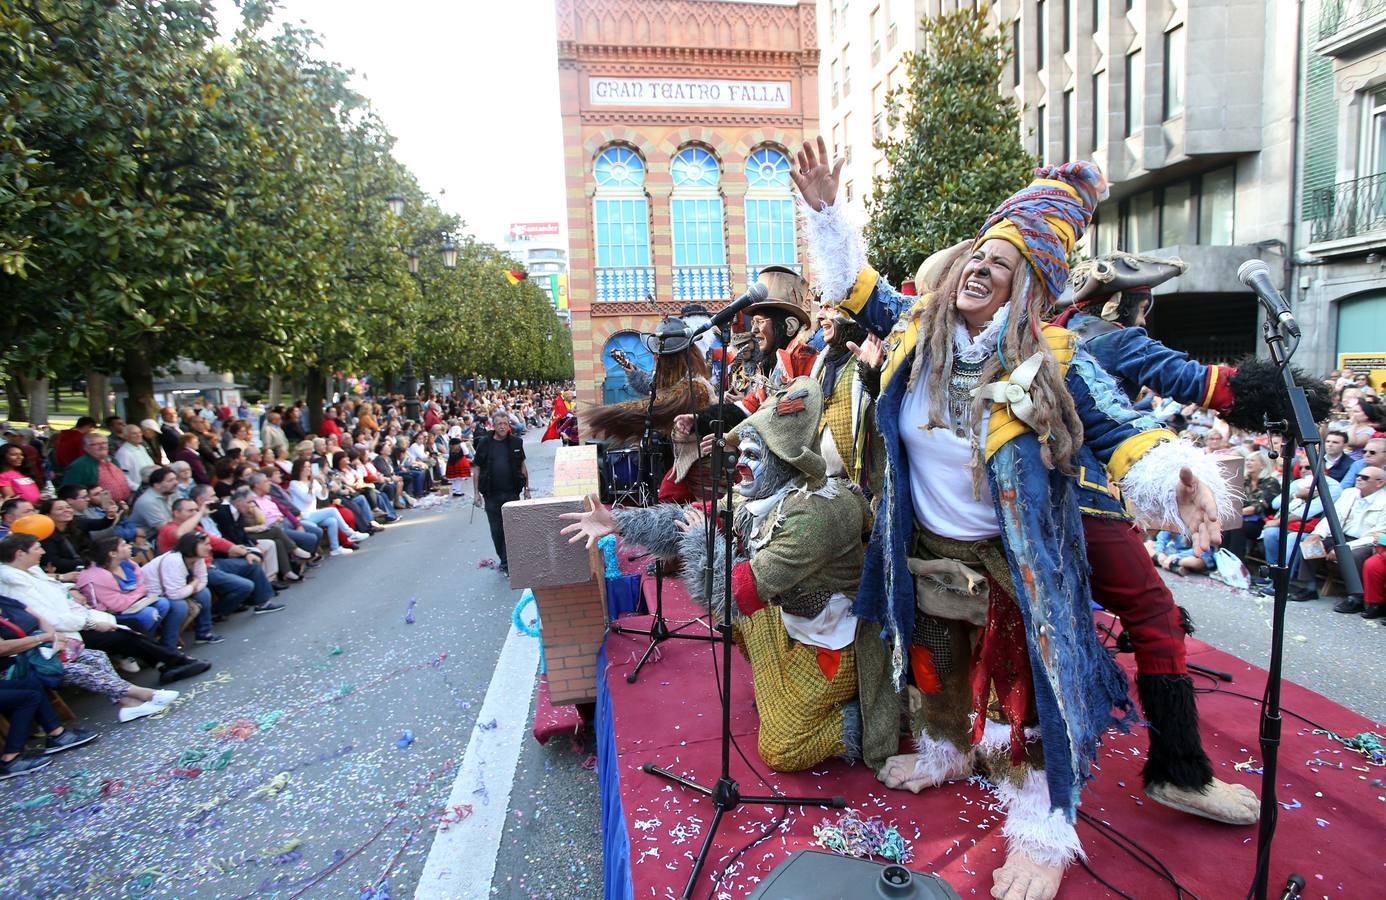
(396, 203)
(449, 251)
(414, 262)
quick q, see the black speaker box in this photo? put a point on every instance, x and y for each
(817, 875)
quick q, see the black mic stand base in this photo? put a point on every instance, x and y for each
(659, 630)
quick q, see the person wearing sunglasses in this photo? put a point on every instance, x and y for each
(1362, 511)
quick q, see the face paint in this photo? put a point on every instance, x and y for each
(761, 472)
(750, 462)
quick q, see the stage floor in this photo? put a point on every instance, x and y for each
(1333, 801)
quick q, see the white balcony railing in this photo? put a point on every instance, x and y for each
(625, 283)
(702, 283)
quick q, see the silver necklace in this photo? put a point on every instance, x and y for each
(962, 381)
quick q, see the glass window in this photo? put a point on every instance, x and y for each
(1374, 144)
(1099, 16)
(1099, 111)
(1176, 216)
(1135, 94)
(769, 210)
(1041, 26)
(620, 211)
(1217, 207)
(695, 208)
(1015, 53)
(1041, 140)
(1140, 224)
(1070, 26)
(1174, 72)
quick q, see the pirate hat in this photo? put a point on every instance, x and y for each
(788, 294)
(788, 424)
(1116, 272)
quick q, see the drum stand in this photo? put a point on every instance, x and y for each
(659, 630)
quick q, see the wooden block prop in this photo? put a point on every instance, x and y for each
(569, 588)
(575, 471)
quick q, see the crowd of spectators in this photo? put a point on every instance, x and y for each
(1354, 445)
(122, 543)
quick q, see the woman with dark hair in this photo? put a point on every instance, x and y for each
(14, 481)
(114, 583)
(415, 473)
(181, 575)
(304, 491)
(66, 550)
(341, 482)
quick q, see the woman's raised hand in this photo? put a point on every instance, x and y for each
(814, 175)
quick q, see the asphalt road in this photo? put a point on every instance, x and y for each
(286, 770)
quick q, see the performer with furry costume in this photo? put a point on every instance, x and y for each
(1110, 298)
(800, 536)
(681, 385)
(1009, 671)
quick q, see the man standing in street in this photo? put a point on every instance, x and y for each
(501, 477)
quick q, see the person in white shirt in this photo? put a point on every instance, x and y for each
(1362, 511)
(133, 457)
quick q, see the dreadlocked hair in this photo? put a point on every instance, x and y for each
(1057, 425)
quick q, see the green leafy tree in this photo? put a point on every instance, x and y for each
(960, 152)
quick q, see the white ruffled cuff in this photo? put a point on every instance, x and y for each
(1152, 484)
(1035, 828)
(837, 250)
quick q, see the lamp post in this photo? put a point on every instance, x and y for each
(448, 249)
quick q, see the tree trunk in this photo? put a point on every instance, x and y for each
(138, 372)
(97, 385)
(391, 382)
(428, 386)
(316, 392)
(276, 389)
(38, 401)
(16, 397)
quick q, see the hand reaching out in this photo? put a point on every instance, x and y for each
(871, 353)
(1199, 510)
(693, 520)
(814, 176)
(592, 525)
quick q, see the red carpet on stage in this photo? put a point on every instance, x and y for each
(1331, 820)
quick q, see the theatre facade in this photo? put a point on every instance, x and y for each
(678, 121)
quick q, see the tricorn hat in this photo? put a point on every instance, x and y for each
(788, 293)
(1116, 272)
(788, 423)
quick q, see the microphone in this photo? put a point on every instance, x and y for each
(756, 294)
(1255, 274)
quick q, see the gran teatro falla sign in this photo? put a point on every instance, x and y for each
(688, 92)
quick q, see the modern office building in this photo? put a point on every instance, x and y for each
(678, 118)
(543, 251)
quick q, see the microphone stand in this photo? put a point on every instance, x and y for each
(1301, 430)
(726, 795)
(651, 458)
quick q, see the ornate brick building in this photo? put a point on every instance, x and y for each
(678, 118)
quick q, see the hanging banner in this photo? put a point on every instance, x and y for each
(604, 91)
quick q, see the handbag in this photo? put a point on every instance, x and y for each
(47, 669)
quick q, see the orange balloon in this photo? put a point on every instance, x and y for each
(39, 526)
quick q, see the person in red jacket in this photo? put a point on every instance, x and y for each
(68, 445)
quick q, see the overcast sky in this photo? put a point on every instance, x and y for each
(469, 89)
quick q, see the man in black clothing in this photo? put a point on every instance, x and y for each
(501, 477)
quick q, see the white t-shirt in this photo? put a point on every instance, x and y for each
(941, 475)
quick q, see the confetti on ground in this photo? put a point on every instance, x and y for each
(409, 613)
(851, 835)
(405, 739)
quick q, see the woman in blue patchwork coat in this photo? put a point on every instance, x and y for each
(976, 570)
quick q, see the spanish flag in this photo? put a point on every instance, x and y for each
(516, 277)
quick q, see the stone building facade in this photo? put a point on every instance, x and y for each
(678, 120)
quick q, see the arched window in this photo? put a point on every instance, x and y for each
(695, 208)
(769, 212)
(621, 217)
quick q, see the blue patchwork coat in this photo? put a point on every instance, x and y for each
(1077, 686)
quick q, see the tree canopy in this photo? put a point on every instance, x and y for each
(165, 194)
(959, 153)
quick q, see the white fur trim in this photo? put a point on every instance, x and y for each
(940, 761)
(1033, 827)
(836, 248)
(1152, 484)
(997, 736)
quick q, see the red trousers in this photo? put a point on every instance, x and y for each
(1126, 584)
(1374, 578)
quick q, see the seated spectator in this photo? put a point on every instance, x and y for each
(1260, 490)
(81, 631)
(15, 480)
(1362, 512)
(24, 698)
(1373, 454)
(93, 510)
(367, 481)
(71, 443)
(1336, 460)
(330, 426)
(95, 469)
(341, 483)
(1374, 582)
(154, 506)
(115, 584)
(384, 467)
(11, 511)
(1173, 552)
(189, 447)
(414, 473)
(23, 438)
(237, 574)
(133, 457)
(277, 513)
(1304, 514)
(183, 472)
(153, 444)
(234, 518)
(67, 549)
(305, 492)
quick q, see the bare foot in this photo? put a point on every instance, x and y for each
(1021, 878)
(914, 772)
(1233, 804)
